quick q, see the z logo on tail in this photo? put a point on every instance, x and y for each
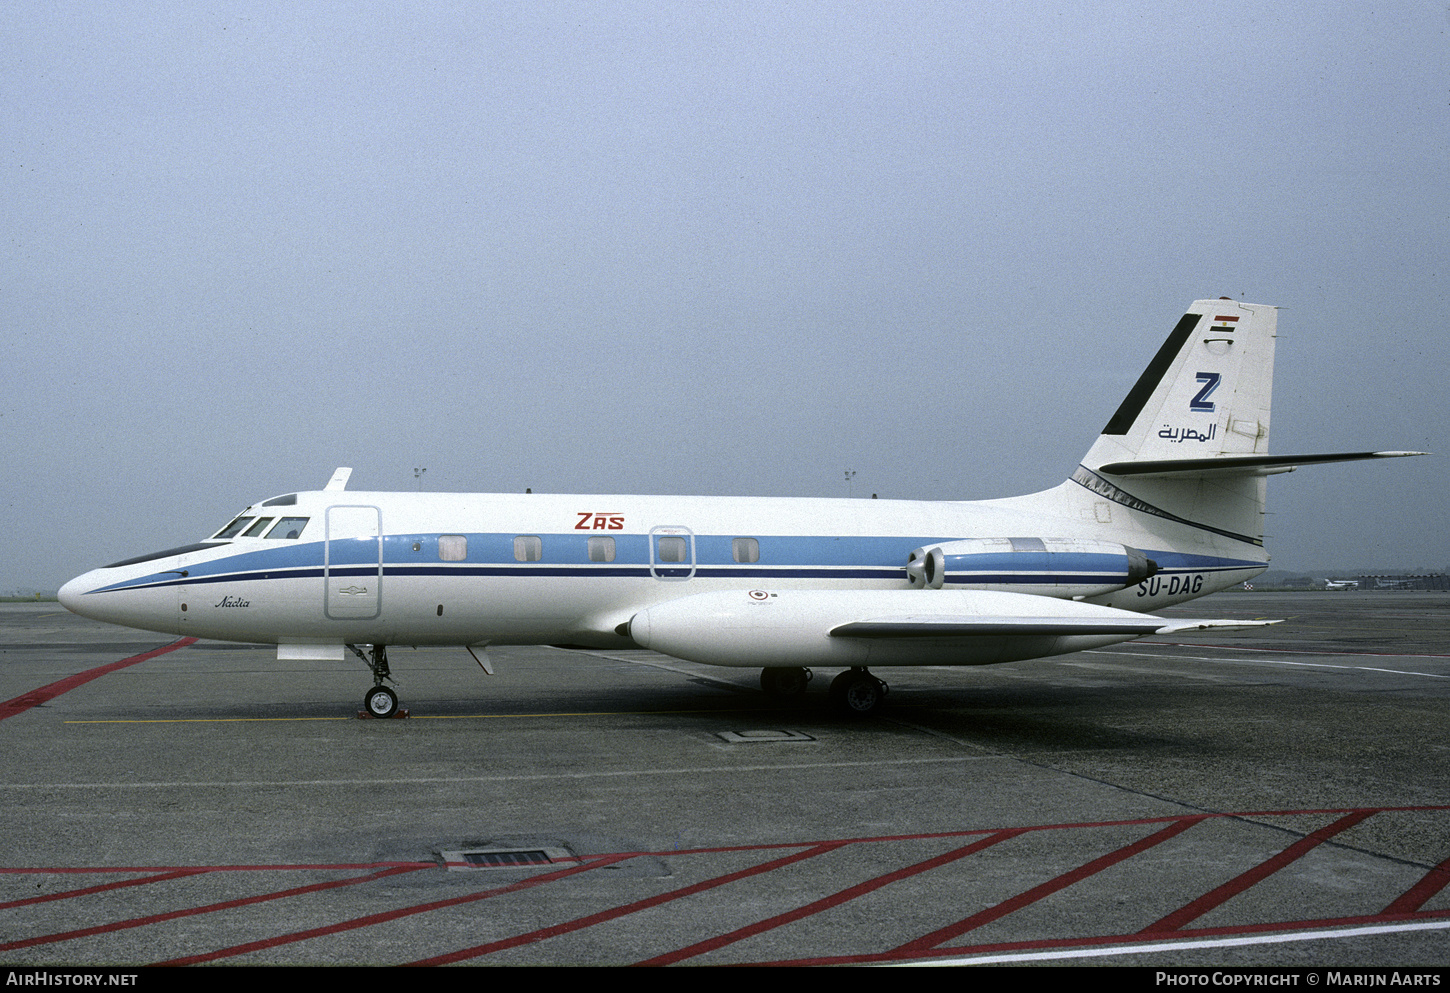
(1200, 402)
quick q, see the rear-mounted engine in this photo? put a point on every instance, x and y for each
(1055, 567)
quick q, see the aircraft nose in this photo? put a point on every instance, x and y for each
(70, 594)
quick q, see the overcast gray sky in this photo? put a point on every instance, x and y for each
(701, 248)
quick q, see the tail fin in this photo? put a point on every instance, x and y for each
(1190, 442)
(1204, 397)
(1206, 393)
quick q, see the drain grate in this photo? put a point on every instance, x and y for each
(493, 860)
(756, 737)
(503, 858)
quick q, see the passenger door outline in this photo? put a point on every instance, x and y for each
(352, 574)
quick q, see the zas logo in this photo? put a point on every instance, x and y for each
(590, 520)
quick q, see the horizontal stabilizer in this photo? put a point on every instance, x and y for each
(1198, 624)
(1238, 464)
(968, 627)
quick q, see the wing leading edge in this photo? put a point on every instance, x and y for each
(981, 627)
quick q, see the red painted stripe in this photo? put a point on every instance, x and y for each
(1260, 872)
(983, 832)
(392, 915)
(1308, 925)
(826, 903)
(46, 939)
(255, 867)
(47, 693)
(629, 908)
(1107, 940)
(1401, 910)
(1415, 897)
(1231, 317)
(119, 884)
(1036, 893)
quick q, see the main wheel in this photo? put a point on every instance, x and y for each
(380, 702)
(858, 693)
(785, 681)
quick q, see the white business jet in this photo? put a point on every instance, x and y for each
(1167, 506)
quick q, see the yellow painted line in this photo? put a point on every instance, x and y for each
(411, 717)
(729, 770)
(210, 720)
(584, 713)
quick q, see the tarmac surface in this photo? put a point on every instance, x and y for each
(1278, 796)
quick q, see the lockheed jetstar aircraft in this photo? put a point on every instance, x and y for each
(1167, 505)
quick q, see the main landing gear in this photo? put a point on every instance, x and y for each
(857, 693)
(785, 681)
(854, 692)
(380, 701)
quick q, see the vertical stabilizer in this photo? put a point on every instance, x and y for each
(1205, 395)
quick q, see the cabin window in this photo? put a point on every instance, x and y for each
(745, 550)
(255, 531)
(528, 548)
(288, 527)
(232, 529)
(601, 549)
(452, 547)
(673, 548)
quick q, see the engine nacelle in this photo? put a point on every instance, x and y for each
(1055, 567)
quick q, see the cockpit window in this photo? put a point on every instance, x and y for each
(234, 528)
(255, 531)
(288, 527)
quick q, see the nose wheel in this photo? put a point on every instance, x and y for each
(380, 702)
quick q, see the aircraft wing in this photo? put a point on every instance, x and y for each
(888, 627)
(928, 626)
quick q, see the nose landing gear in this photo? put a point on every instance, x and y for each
(380, 701)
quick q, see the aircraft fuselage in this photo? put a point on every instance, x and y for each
(468, 569)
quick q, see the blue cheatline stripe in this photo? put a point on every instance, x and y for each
(821, 557)
(1030, 578)
(1040, 579)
